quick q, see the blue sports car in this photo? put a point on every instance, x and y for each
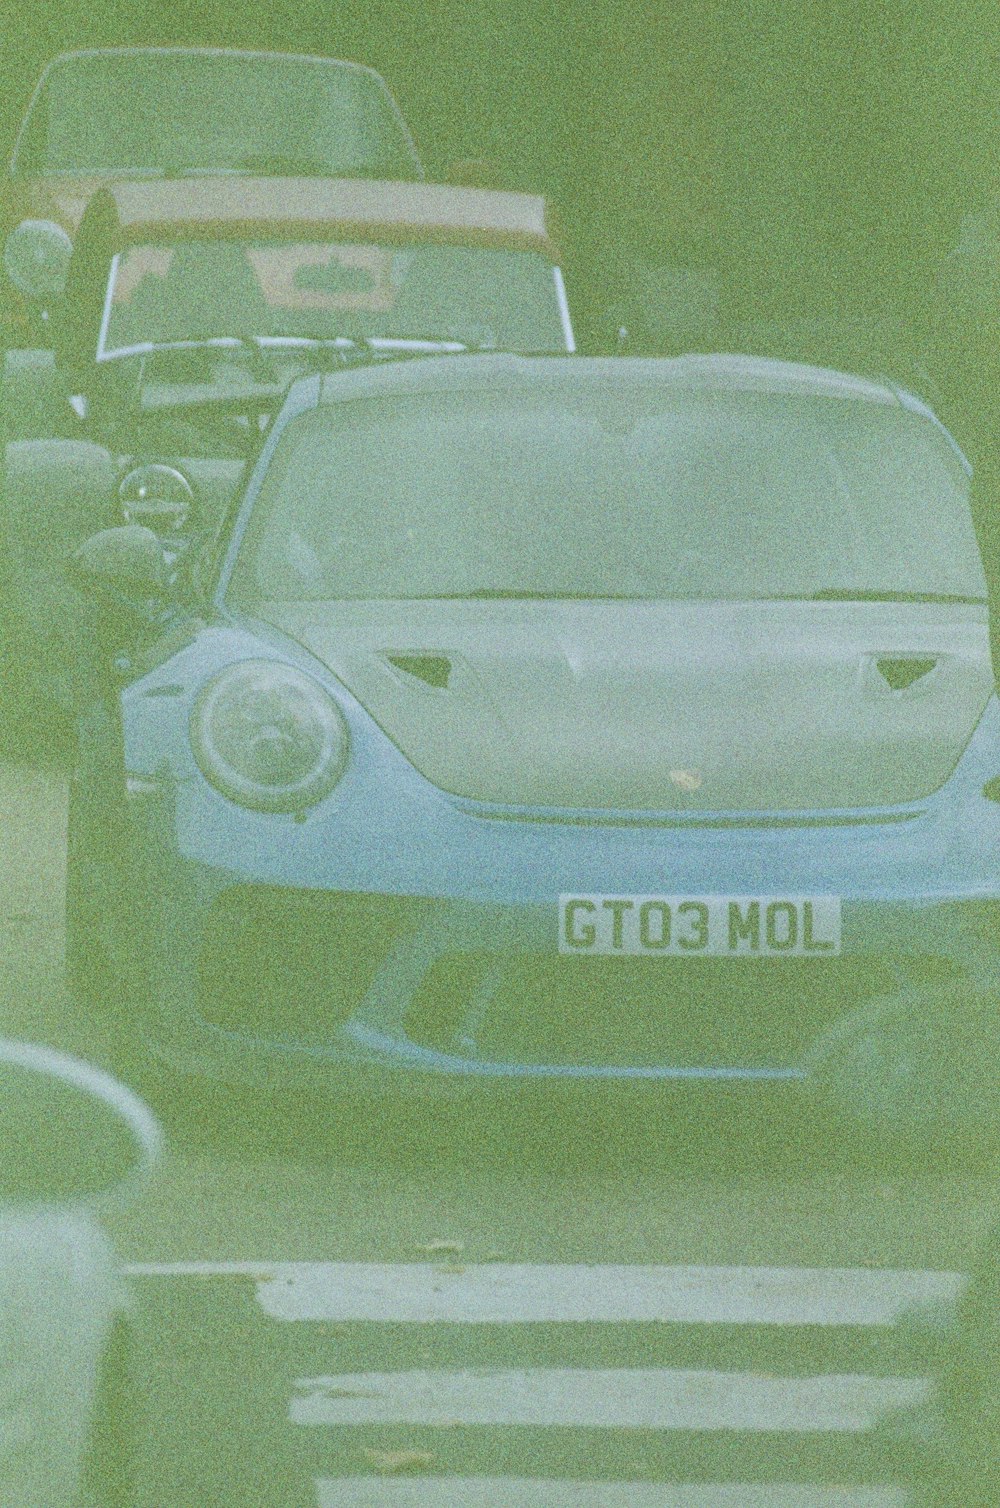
(558, 719)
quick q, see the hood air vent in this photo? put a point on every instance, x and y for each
(900, 674)
(433, 670)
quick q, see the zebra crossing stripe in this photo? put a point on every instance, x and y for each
(513, 1293)
(509, 1492)
(652, 1398)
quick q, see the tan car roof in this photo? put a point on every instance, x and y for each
(334, 209)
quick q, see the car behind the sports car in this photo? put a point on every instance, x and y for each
(179, 288)
(119, 113)
(564, 720)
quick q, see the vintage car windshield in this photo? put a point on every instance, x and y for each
(589, 494)
(201, 289)
(174, 112)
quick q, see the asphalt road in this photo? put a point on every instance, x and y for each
(339, 1314)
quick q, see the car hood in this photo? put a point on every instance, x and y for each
(755, 706)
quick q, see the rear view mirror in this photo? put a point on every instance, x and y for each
(127, 563)
(69, 1133)
(36, 259)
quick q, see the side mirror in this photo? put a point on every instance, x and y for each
(69, 1133)
(123, 564)
(36, 259)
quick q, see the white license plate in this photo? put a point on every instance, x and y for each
(708, 926)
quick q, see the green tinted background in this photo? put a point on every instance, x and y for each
(819, 155)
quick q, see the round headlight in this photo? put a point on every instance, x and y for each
(156, 495)
(268, 736)
(36, 258)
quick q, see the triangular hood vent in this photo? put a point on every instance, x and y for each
(434, 670)
(903, 672)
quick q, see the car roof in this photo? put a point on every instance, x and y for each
(690, 373)
(329, 209)
(204, 52)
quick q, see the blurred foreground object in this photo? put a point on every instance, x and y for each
(74, 1144)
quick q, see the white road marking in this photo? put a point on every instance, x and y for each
(660, 1399)
(653, 1398)
(510, 1492)
(262, 1271)
(517, 1293)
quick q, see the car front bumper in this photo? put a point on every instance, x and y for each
(413, 942)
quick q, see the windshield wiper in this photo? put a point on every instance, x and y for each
(270, 166)
(876, 594)
(520, 594)
(192, 170)
(824, 594)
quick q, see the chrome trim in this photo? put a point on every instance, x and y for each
(564, 315)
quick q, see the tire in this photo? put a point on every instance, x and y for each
(200, 1110)
(94, 985)
(88, 973)
(111, 1462)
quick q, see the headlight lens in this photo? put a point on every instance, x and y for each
(268, 736)
(156, 495)
(36, 258)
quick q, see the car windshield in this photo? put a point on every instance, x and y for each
(175, 112)
(634, 492)
(198, 290)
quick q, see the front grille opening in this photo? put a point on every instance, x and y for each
(439, 1013)
(292, 965)
(639, 1012)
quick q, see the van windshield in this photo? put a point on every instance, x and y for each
(175, 112)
